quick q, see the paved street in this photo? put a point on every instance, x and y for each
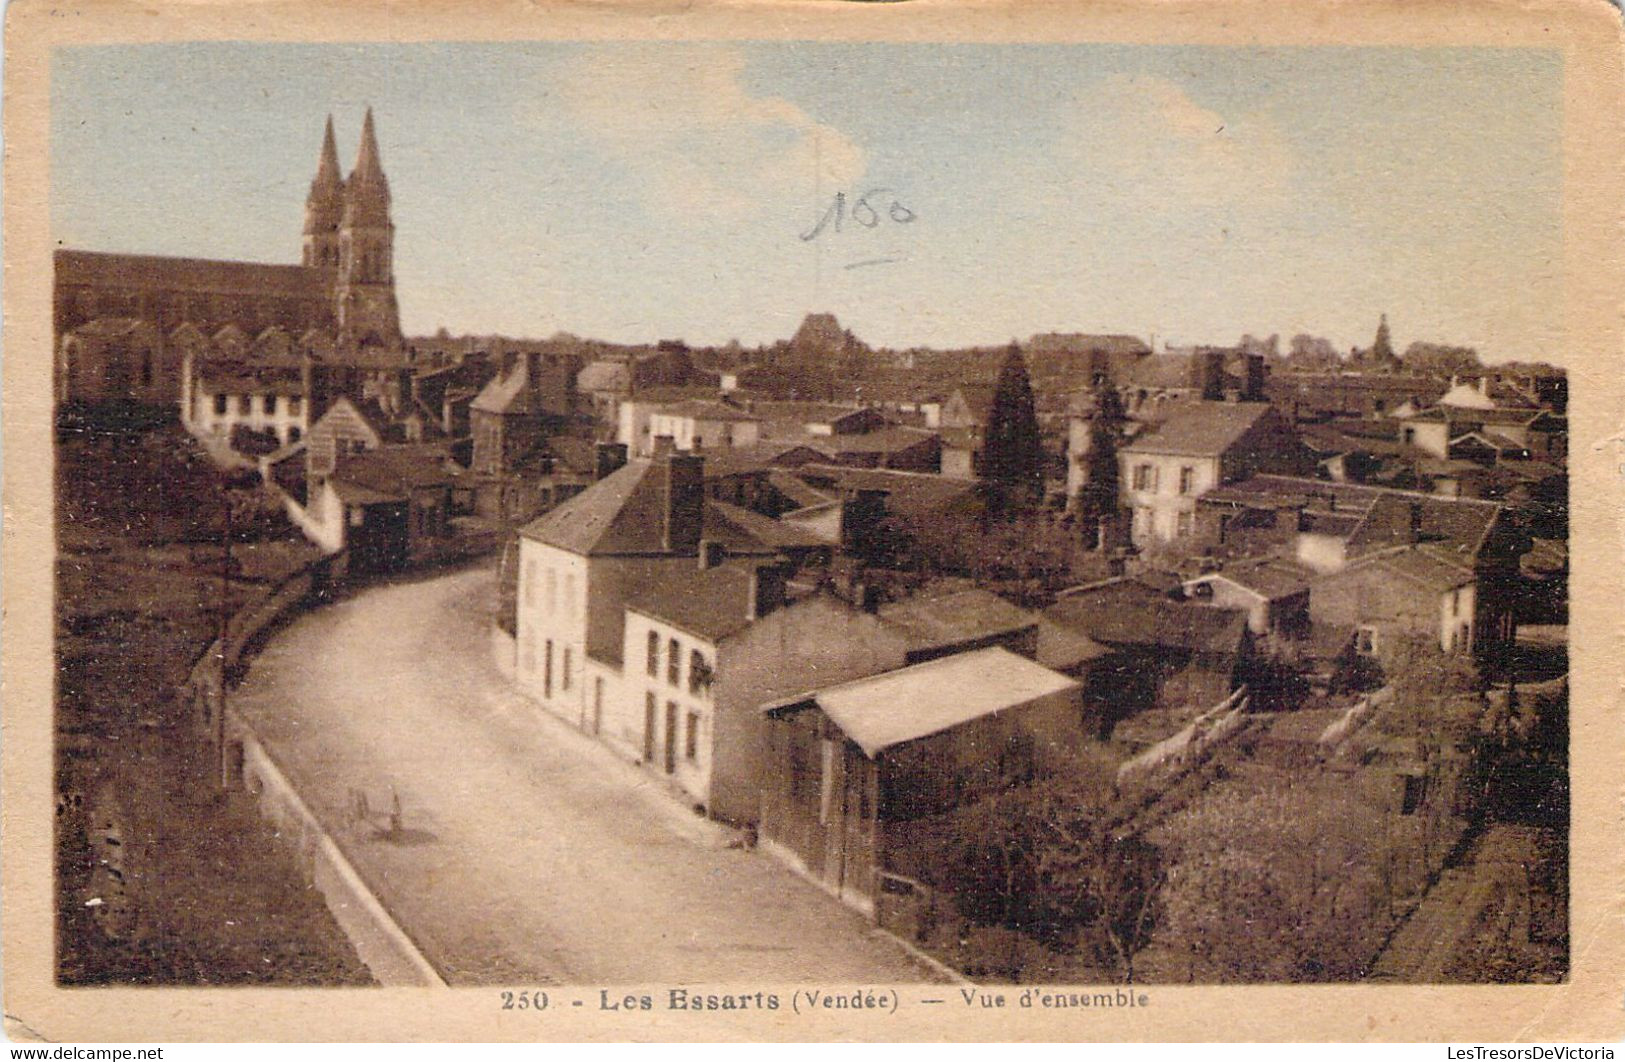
(529, 853)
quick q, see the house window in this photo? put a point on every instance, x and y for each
(547, 670)
(1187, 479)
(654, 654)
(696, 670)
(674, 662)
(691, 739)
(1142, 477)
(552, 590)
(245, 404)
(530, 584)
(569, 593)
(294, 433)
(220, 405)
(1183, 523)
(293, 405)
(564, 678)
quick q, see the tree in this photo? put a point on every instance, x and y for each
(1439, 359)
(1308, 353)
(1097, 500)
(1283, 881)
(1382, 349)
(1013, 454)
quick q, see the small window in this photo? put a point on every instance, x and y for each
(674, 662)
(530, 584)
(294, 434)
(552, 590)
(245, 404)
(654, 654)
(564, 676)
(696, 670)
(220, 405)
(1187, 479)
(294, 403)
(1184, 523)
(547, 670)
(1142, 477)
(691, 741)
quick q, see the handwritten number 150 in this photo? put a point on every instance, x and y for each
(862, 211)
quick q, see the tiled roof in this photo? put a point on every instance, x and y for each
(390, 472)
(507, 392)
(1160, 372)
(699, 409)
(936, 620)
(1269, 579)
(150, 272)
(907, 493)
(1200, 429)
(915, 702)
(621, 513)
(1125, 612)
(712, 604)
(732, 524)
(978, 399)
(1427, 566)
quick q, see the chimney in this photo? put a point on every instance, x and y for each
(712, 553)
(1206, 374)
(1255, 379)
(1484, 385)
(683, 477)
(766, 590)
(318, 387)
(608, 457)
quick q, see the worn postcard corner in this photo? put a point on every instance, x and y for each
(911, 521)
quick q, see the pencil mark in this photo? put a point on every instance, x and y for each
(870, 262)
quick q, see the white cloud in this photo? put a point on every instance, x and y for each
(1145, 140)
(681, 123)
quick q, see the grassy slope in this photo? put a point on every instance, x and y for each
(197, 889)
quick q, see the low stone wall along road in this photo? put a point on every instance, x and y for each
(526, 852)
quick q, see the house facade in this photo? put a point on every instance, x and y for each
(1200, 446)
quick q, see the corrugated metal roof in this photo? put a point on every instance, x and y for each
(915, 702)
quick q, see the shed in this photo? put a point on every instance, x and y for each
(849, 767)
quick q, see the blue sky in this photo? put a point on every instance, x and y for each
(636, 191)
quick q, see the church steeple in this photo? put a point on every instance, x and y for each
(367, 191)
(367, 311)
(324, 207)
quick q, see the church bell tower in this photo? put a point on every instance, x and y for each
(324, 209)
(368, 314)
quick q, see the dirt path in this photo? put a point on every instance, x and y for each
(528, 851)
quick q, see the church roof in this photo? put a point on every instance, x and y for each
(146, 272)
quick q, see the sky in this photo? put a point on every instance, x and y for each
(968, 194)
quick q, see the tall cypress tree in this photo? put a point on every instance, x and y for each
(1383, 348)
(1012, 455)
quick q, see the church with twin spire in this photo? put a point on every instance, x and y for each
(341, 295)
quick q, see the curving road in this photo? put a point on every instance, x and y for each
(527, 852)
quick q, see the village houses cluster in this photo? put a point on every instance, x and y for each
(700, 551)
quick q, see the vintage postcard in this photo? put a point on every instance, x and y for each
(813, 521)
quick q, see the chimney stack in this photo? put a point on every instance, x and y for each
(767, 583)
(684, 510)
(608, 458)
(1255, 378)
(1206, 374)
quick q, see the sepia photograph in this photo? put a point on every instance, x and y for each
(949, 516)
